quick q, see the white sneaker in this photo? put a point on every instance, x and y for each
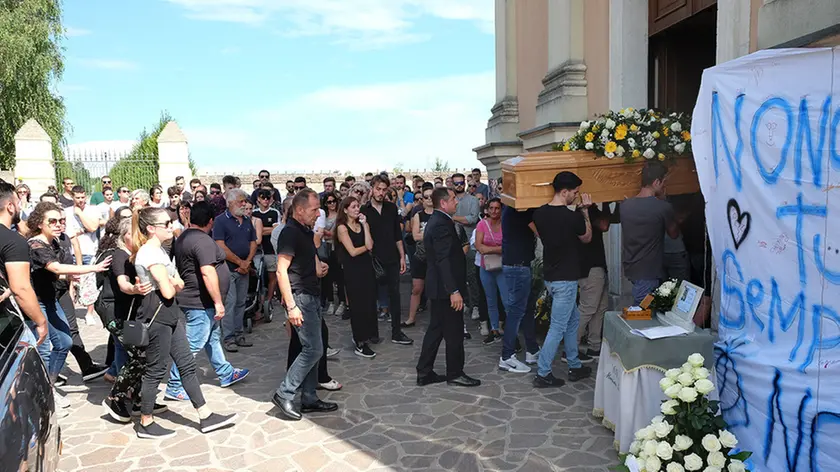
(475, 314)
(92, 320)
(331, 309)
(485, 328)
(60, 400)
(531, 359)
(512, 364)
(340, 310)
(332, 352)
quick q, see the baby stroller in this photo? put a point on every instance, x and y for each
(256, 289)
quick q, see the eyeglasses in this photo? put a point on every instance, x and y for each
(300, 188)
(263, 176)
(22, 192)
(459, 183)
(163, 225)
(262, 197)
(106, 182)
(56, 221)
(330, 202)
(124, 191)
(359, 192)
(427, 197)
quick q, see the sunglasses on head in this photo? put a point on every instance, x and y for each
(55, 221)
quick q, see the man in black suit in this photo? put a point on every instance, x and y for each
(446, 279)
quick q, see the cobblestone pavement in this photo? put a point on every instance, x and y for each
(384, 422)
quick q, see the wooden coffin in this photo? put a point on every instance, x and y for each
(526, 179)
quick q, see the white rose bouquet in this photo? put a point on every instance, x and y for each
(664, 296)
(690, 435)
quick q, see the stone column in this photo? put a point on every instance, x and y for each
(34, 158)
(173, 155)
(504, 123)
(733, 29)
(628, 78)
(563, 98)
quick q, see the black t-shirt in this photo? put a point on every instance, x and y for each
(518, 241)
(13, 248)
(593, 253)
(121, 265)
(44, 281)
(269, 218)
(194, 249)
(559, 228)
(385, 231)
(298, 242)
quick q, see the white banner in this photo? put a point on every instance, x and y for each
(767, 146)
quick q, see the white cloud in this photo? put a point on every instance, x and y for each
(75, 32)
(109, 64)
(362, 23)
(355, 128)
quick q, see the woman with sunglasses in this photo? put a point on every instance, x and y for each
(329, 203)
(151, 230)
(361, 192)
(26, 203)
(47, 267)
(355, 244)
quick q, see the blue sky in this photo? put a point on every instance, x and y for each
(285, 84)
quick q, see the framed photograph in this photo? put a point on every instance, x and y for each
(688, 298)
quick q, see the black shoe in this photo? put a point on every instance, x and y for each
(60, 381)
(94, 372)
(319, 407)
(580, 373)
(421, 308)
(548, 381)
(593, 353)
(375, 340)
(216, 421)
(467, 335)
(492, 337)
(287, 407)
(407, 325)
(428, 379)
(583, 357)
(464, 380)
(346, 314)
(152, 431)
(159, 408)
(401, 338)
(116, 410)
(363, 350)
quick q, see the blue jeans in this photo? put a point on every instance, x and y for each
(565, 319)
(519, 306)
(642, 288)
(203, 332)
(382, 296)
(58, 343)
(494, 283)
(235, 306)
(303, 373)
(120, 357)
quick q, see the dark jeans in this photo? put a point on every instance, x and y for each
(303, 373)
(78, 350)
(335, 277)
(295, 348)
(445, 324)
(167, 342)
(392, 280)
(643, 288)
(520, 304)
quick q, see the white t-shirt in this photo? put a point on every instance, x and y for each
(104, 211)
(88, 241)
(472, 246)
(321, 222)
(148, 256)
(116, 205)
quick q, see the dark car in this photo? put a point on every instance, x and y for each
(30, 437)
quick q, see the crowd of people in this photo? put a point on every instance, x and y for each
(170, 272)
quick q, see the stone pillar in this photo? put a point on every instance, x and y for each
(173, 155)
(628, 78)
(34, 158)
(563, 98)
(504, 122)
(733, 29)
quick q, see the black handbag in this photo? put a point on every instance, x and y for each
(378, 268)
(136, 333)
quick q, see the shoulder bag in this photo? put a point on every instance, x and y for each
(492, 262)
(136, 333)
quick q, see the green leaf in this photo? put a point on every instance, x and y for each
(742, 456)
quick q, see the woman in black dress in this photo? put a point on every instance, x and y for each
(354, 243)
(418, 262)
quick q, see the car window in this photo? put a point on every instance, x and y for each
(10, 325)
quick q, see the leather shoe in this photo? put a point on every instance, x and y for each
(287, 407)
(464, 380)
(429, 379)
(319, 407)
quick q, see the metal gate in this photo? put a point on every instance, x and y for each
(86, 168)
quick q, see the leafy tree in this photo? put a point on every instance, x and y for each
(441, 165)
(31, 63)
(139, 168)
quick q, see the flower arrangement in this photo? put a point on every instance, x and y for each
(690, 435)
(664, 296)
(632, 134)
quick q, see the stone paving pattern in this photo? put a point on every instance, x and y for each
(384, 422)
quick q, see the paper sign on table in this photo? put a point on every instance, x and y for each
(659, 332)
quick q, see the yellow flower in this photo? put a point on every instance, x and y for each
(666, 131)
(596, 128)
(686, 136)
(610, 146)
(621, 131)
(634, 128)
(630, 110)
(636, 153)
(661, 157)
(589, 137)
(566, 147)
(656, 134)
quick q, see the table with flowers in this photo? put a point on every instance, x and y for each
(631, 374)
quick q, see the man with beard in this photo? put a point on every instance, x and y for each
(467, 216)
(329, 187)
(238, 239)
(384, 222)
(265, 178)
(83, 222)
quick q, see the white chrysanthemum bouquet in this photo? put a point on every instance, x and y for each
(690, 435)
(664, 295)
